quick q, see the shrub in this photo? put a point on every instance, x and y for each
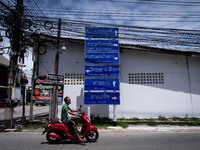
(151, 122)
(162, 118)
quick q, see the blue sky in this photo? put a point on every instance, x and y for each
(181, 14)
(175, 14)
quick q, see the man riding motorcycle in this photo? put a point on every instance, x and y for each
(66, 118)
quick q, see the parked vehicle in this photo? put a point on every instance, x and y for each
(57, 131)
(2, 103)
(42, 102)
(6, 103)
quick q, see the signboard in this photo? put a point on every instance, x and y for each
(102, 71)
(102, 98)
(55, 78)
(101, 84)
(99, 32)
(101, 66)
(42, 90)
(102, 58)
(101, 45)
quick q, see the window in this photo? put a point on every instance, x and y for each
(146, 78)
(74, 79)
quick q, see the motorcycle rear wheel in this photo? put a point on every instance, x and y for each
(50, 139)
(92, 136)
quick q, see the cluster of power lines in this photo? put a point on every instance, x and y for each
(74, 22)
(155, 2)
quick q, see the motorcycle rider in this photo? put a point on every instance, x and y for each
(66, 118)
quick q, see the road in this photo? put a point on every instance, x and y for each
(18, 111)
(107, 141)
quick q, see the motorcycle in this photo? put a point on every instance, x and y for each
(57, 131)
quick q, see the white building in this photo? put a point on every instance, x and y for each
(153, 81)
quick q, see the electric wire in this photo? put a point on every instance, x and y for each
(147, 2)
(75, 28)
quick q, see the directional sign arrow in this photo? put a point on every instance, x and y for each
(87, 71)
(114, 83)
(116, 33)
(114, 98)
(116, 58)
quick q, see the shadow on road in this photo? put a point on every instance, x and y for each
(65, 142)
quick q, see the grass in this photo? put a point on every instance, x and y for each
(33, 126)
(122, 124)
(162, 118)
(151, 122)
(104, 123)
(129, 119)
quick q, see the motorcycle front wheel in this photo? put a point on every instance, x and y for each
(51, 139)
(92, 136)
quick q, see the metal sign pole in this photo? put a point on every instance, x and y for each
(50, 92)
(56, 114)
(88, 112)
(114, 113)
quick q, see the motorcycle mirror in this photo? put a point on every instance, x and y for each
(80, 108)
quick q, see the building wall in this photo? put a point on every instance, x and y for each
(170, 98)
(174, 95)
(194, 67)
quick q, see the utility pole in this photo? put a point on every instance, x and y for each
(15, 47)
(33, 85)
(53, 103)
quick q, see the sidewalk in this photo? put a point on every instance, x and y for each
(145, 128)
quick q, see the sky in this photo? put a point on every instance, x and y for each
(180, 14)
(175, 14)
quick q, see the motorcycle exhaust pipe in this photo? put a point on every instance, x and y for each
(54, 135)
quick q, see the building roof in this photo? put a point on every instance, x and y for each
(4, 61)
(194, 51)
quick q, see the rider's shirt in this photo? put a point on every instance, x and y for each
(65, 116)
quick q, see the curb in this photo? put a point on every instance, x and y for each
(140, 129)
(161, 128)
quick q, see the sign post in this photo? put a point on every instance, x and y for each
(102, 69)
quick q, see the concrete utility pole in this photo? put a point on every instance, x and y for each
(53, 103)
(32, 90)
(15, 47)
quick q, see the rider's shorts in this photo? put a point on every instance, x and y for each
(73, 126)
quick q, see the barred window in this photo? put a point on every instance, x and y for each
(146, 78)
(74, 79)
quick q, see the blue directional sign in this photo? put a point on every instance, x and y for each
(102, 45)
(101, 66)
(99, 32)
(102, 71)
(102, 98)
(102, 58)
(101, 84)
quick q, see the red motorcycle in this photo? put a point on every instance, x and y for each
(57, 131)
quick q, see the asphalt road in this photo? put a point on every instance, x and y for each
(107, 141)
